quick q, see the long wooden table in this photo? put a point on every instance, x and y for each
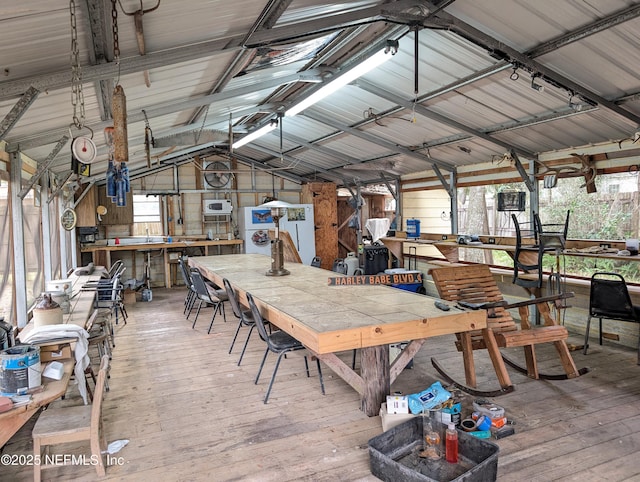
(330, 319)
(11, 421)
(81, 309)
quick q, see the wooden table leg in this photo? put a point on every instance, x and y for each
(167, 268)
(374, 363)
(496, 358)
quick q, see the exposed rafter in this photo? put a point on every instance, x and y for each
(153, 60)
(434, 164)
(512, 55)
(169, 108)
(423, 111)
(17, 111)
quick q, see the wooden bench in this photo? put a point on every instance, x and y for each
(474, 285)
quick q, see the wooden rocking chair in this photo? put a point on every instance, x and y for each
(473, 287)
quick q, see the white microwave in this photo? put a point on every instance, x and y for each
(216, 206)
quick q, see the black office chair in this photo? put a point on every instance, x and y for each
(278, 342)
(609, 298)
(110, 296)
(116, 268)
(245, 318)
(533, 240)
(191, 295)
(207, 296)
(316, 261)
(527, 250)
(551, 235)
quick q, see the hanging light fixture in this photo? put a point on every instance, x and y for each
(534, 85)
(349, 76)
(514, 75)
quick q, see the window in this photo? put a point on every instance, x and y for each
(146, 216)
(390, 204)
(6, 255)
(610, 214)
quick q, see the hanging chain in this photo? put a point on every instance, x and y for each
(77, 96)
(114, 27)
(116, 42)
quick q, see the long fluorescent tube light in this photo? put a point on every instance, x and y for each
(349, 76)
(254, 135)
(336, 84)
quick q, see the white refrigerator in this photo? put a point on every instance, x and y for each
(255, 223)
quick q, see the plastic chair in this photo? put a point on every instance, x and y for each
(280, 343)
(206, 296)
(245, 318)
(609, 298)
(72, 424)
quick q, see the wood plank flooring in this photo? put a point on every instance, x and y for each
(191, 414)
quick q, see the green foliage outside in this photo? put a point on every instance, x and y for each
(610, 214)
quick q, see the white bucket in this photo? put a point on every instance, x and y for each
(20, 369)
(51, 316)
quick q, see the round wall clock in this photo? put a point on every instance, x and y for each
(68, 219)
(84, 149)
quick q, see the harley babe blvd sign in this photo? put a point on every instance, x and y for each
(377, 279)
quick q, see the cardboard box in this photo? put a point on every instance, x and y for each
(390, 420)
(129, 297)
(55, 352)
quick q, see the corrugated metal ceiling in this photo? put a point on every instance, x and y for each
(212, 61)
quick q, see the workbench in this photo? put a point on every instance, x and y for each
(81, 309)
(450, 249)
(102, 254)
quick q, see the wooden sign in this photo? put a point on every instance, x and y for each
(377, 279)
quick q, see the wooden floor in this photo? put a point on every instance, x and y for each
(190, 413)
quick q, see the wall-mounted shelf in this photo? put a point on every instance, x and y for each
(216, 218)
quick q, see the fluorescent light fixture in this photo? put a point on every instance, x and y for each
(252, 136)
(336, 84)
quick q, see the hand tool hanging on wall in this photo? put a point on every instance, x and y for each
(149, 141)
(137, 20)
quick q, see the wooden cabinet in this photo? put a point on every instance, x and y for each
(324, 197)
(86, 208)
(115, 214)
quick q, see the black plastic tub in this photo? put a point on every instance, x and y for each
(394, 456)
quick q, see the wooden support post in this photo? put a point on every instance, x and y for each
(375, 373)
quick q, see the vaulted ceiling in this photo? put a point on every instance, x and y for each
(465, 82)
